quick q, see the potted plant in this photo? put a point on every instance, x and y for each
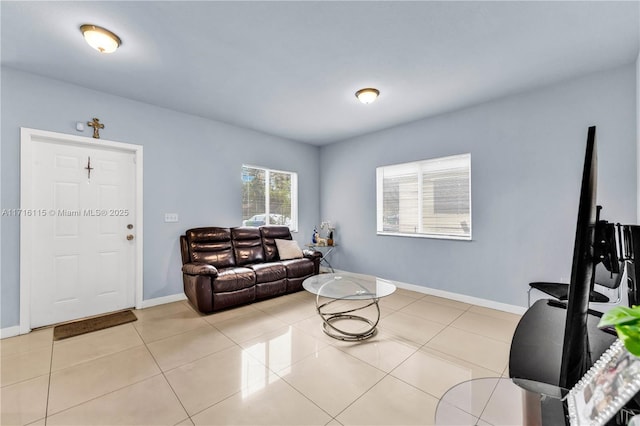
(626, 322)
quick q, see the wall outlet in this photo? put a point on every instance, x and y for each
(171, 217)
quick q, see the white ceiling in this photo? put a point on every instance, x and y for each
(291, 68)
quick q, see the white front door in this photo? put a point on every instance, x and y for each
(83, 231)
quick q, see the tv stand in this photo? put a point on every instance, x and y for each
(536, 348)
(563, 305)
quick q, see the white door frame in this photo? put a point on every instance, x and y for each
(27, 138)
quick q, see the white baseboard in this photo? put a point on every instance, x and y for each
(486, 303)
(162, 300)
(9, 331)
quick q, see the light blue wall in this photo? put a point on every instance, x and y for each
(527, 153)
(638, 130)
(191, 167)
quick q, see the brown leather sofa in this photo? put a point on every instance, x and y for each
(225, 267)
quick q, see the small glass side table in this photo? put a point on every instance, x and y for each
(326, 251)
(502, 401)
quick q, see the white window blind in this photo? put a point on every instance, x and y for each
(429, 198)
(269, 197)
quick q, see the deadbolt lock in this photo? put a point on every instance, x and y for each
(129, 237)
(130, 226)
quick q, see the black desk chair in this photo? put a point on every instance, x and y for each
(604, 278)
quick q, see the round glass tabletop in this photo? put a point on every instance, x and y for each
(348, 286)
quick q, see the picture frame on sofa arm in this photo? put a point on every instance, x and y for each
(608, 385)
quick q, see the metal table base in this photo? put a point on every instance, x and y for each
(329, 318)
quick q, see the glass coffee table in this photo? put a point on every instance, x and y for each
(365, 289)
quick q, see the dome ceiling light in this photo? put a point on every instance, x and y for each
(101, 39)
(367, 95)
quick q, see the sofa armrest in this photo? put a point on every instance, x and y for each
(316, 257)
(312, 254)
(199, 269)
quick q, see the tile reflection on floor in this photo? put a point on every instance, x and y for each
(265, 363)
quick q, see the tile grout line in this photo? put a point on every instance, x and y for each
(304, 358)
(236, 344)
(272, 372)
(163, 373)
(173, 335)
(365, 362)
(239, 345)
(467, 331)
(120, 388)
(46, 407)
(105, 394)
(131, 384)
(489, 399)
(360, 396)
(444, 353)
(95, 359)
(99, 396)
(24, 380)
(453, 356)
(401, 311)
(439, 399)
(386, 373)
(302, 394)
(481, 335)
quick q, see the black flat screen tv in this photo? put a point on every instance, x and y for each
(576, 357)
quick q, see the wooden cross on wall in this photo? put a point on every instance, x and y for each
(97, 125)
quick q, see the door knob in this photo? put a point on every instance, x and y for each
(129, 237)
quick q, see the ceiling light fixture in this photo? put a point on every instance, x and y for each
(101, 39)
(367, 95)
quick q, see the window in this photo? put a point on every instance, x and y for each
(269, 197)
(430, 198)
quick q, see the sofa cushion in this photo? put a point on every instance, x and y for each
(233, 298)
(232, 279)
(247, 244)
(269, 234)
(211, 245)
(298, 267)
(288, 249)
(266, 272)
(295, 284)
(274, 288)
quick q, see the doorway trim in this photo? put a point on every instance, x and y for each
(27, 138)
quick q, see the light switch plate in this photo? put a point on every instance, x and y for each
(171, 217)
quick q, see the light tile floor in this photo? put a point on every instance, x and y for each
(265, 363)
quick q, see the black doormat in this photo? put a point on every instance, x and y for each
(76, 328)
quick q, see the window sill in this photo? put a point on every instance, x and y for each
(431, 236)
